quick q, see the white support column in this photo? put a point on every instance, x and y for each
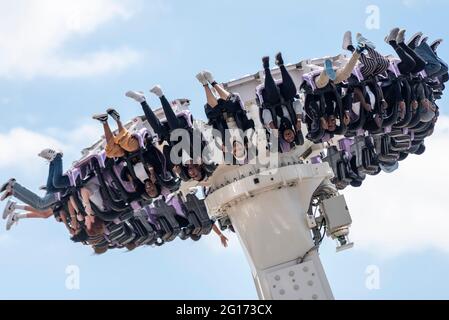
(268, 208)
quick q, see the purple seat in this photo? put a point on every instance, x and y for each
(84, 168)
(394, 67)
(357, 72)
(186, 114)
(316, 160)
(345, 144)
(129, 186)
(142, 135)
(309, 78)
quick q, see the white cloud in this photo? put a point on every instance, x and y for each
(410, 3)
(34, 33)
(406, 211)
(20, 146)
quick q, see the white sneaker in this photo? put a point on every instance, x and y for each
(202, 79)
(12, 219)
(157, 90)
(392, 36)
(208, 76)
(401, 36)
(347, 40)
(414, 41)
(136, 95)
(48, 154)
(424, 39)
(364, 42)
(434, 45)
(10, 207)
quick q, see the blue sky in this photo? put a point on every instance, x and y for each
(61, 61)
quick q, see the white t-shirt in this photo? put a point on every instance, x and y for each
(141, 174)
(94, 188)
(268, 118)
(356, 108)
(372, 98)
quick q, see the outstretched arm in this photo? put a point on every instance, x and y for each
(223, 239)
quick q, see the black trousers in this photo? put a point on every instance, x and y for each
(407, 64)
(273, 93)
(420, 63)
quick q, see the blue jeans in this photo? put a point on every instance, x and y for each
(444, 67)
(32, 199)
(433, 65)
(55, 183)
(58, 180)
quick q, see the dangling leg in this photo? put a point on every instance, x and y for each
(272, 95)
(172, 119)
(222, 92)
(211, 99)
(344, 73)
(14, 217)
(103, 118)
(124, 139)
(112, 149)
(407, 64)
(288, 87)
(149, 114)
(59, 180)
(420, 63)
(35, 214)
(382, 62)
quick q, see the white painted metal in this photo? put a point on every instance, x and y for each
(268, 209)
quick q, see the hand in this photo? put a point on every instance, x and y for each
(426, 103)
(177, 169)
(74, 222)
(152, 175)
(346, 119)
(402, 109)
(90, 220)
(224, 240)
(298, 125)
(367, 107)
(324, 124)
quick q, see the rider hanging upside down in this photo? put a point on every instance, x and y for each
(118, 145)
(278, 115)
(223, 110)
(328, 122)
(374, 63)
(196, 170)
(56, 183)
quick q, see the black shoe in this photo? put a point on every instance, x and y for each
(413, 42)
(195, 237)
(114, 114)
(103, 118)
(436, 44)
(279, 60)
(7, 184)
(266, 62)
(4, 189)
